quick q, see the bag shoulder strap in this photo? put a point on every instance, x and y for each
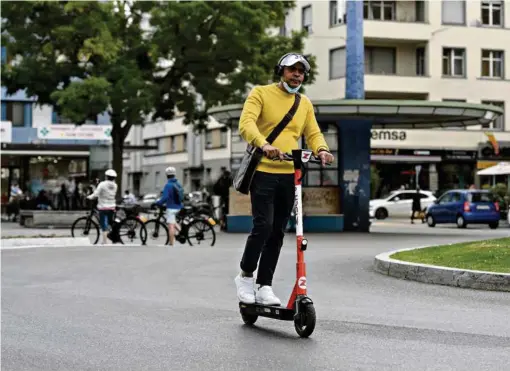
(285, 121)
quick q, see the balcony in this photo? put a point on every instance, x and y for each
(396, 20)
(396, 69)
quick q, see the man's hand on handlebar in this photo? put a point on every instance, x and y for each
(326, 157)
(272, 152)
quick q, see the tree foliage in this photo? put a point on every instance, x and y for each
(141, 60)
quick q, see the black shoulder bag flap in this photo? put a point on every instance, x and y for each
(253, 155)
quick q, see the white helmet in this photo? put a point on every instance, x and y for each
(170, 170)
(111, 172)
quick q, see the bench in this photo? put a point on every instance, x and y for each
(49, 218)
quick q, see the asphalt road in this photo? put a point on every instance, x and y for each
(143, 308)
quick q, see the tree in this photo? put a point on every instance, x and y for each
(140, 60)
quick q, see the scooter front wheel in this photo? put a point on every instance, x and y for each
(304, 323)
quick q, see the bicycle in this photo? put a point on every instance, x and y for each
(187, 221)
(121, 229)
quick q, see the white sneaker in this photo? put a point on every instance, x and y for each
(245, 290)
(266, 296)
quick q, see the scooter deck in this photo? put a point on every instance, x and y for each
(270, 311)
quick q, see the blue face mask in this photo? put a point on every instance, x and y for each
(289, 89)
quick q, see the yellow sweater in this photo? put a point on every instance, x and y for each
(264, 109)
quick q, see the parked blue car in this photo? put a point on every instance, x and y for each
(464, 207)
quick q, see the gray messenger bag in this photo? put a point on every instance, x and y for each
(253, 155)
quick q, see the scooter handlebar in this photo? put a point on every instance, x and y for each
(288, 157)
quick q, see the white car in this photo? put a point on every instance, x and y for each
(399, 204)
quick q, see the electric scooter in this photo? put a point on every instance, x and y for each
(300, 307)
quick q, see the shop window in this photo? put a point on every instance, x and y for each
(324, 176)
(15, 113)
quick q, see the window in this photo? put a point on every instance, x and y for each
(317, 176)
(420, 61)
(453, 12)
(15, 113)
(336, 15)
(445, 199)
(306, 18)
(420, 10)
(336, 63)
(480, 197)
(216, 138)
(492, 63)
(152, 142)
(284, 29)
(454, 62)
(379, 10)
(380, 60)
(179, 143)
(492, 13)
(499, 123)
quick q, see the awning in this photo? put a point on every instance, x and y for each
(405, 114)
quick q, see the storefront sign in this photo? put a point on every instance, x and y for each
(75, 132)
(6, 132)
(393, 135)
(316, 201)
(417, 139)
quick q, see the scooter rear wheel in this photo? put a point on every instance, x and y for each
(249, 319)
(305, 321)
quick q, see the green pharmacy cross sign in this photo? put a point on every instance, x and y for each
(45, 132)
(108, 132)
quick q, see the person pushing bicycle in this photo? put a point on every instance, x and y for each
(272, 186)
(105, 193)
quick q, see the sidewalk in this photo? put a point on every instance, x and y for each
(10, 230)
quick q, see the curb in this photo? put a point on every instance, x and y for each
(28, 243)
(464, 278)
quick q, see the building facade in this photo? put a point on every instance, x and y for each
(418, 50)
(42, 150)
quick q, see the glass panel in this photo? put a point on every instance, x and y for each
(376, 11)
(330, 177)
(497, 69)
(337, 63)
(458, 67)
(485, 16)
(446, 66)
(485, 68)
(313, 178)
(486, 53)
(496, 17)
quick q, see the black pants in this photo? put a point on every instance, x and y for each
(272, 198)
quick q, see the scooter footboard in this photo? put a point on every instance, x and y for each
(275, 312)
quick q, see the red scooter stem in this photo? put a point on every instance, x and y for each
(300, 285)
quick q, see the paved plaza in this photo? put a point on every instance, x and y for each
(152, 308)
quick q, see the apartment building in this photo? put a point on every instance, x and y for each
(420, 50)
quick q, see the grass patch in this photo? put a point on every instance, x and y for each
(487, 255)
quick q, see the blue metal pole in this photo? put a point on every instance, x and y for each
(354, 133)
(355, 51)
